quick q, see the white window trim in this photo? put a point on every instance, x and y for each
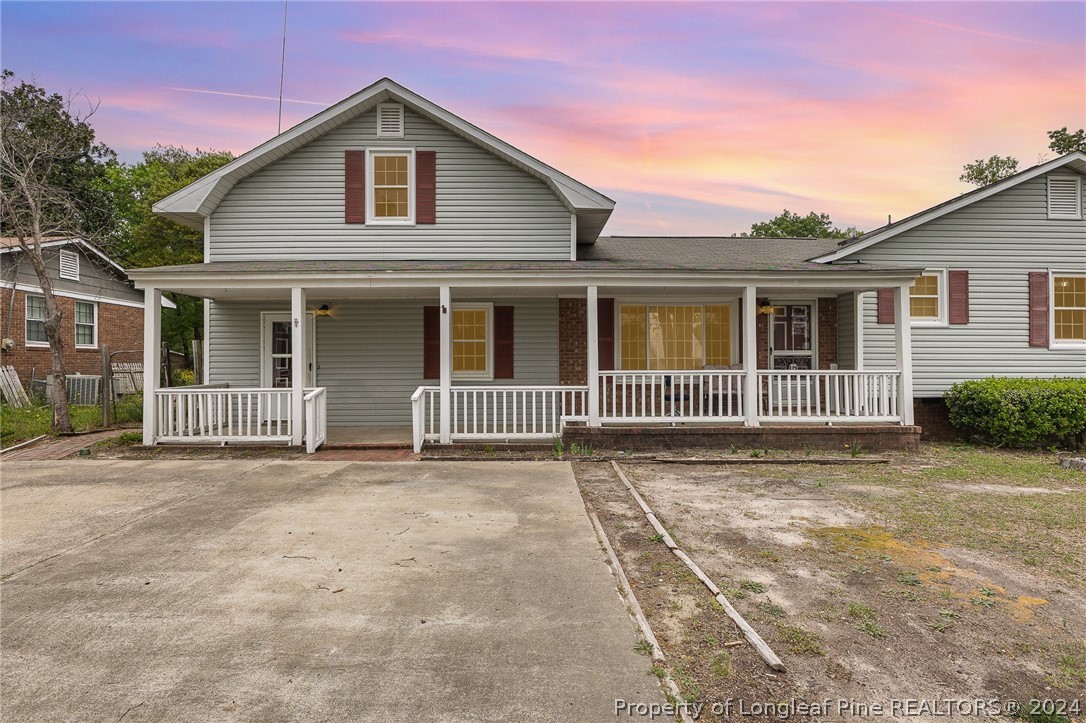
(1053, 343)
(1077, 214)
(487, 375)
(399, 109)
(73, 257)
(813, 352)
(371, 215)
(27, 320)
(75, 323)
(733, 325)
(943, 299)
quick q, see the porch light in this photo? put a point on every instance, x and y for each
(764, 307)
(324, 310)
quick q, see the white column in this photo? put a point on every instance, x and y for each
(904, 349)
(750, 355)
(152, 358)
(298, 362)
(445, 324)
(858, 327)
(593, 356)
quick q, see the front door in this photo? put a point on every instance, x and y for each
(791, 337)
(276, 363)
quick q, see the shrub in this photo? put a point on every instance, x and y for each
(182, 377)
(128, 408)
(1020, 412)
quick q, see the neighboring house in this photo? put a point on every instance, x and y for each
(388, 264)
(98, 301)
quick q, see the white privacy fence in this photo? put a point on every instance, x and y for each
(664, 396)
(828, 395)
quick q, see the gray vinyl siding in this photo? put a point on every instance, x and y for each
(486, 208)
(999, 240)
(96, 277)
(369, 353)
(846, 331)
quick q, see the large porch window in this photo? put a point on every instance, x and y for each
(673, 336)
(471, 353)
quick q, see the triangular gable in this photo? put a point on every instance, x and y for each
(1075, 161)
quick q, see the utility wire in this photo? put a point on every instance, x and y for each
(282, 69)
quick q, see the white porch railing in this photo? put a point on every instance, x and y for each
(668, 396)
(826, 396)
(497, 412)
(220, 415)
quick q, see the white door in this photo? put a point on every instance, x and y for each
(276, 364)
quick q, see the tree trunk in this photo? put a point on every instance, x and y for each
(62, 420)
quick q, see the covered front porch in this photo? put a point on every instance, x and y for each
(592, 350)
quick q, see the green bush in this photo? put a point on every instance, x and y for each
(1020, 412)
(182, 378)
(128, 408)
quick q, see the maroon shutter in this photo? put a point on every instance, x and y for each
(425, 187)
(354, 186)
(885, 306)
(1038, 308)
(959, 297)
(431, 342)
(503, 342)
(605, 333)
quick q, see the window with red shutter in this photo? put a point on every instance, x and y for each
(431, 342)
(958, 283)
(884, 306)
(503, 342)
(425, 187)
(605, 333)
(1038, 308)
(354, 186)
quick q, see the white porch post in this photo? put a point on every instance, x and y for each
(152, 358)
(904, 350)
(750, 355)
(445, 324)
(298, 363)
(858, 326)
(593, 356)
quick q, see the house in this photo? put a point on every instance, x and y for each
(386, 264)
(99, 303)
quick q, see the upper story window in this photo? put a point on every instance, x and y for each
(927, 299)
(86, 324)
(35, 320)
(471, 348)
(1068, 309)
(1064, 197)
(674, 336)
(389, 120)
(391, 186)
(69, 265)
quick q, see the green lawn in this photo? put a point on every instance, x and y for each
(19, 425)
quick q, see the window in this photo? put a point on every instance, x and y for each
(391, 187)
(927, 299)
(1068, 309)
(86, 323)
(1064, 197)
(471, 351)
(69, 265)
(35, 320)
(674, 336)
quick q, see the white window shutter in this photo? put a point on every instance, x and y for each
(1064, 197)
(69, 265)
(389, 120)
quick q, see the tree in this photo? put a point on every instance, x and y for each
(143, 238)
(1063, 142)
(52, 177)
(985, 172)
(792, 225)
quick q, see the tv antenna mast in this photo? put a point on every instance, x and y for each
(282, 69)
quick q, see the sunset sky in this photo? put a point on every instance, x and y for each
(696, 118)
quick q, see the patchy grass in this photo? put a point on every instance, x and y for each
(19, 425)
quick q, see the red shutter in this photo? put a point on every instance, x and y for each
(605, 333)
(959, 297)
(425, 187)
(1038, 308)
(503, 342)
(354, 186)
(431, 342)
(885, 306)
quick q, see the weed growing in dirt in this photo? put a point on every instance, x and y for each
(800, 641)
(871, 628)
(581, 450)
(769, 555)
(860, 611)
(656, 538)
(722, 664)
(644, 647)
(906, 577)
(752, 586)
(558, 447)
(770, 610)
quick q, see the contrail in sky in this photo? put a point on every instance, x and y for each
(246, 95)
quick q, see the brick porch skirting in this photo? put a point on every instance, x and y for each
(872, 437)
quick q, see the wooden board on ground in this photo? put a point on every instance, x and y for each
(12, 388)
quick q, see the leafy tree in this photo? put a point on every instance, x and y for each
(985, 172)
(1063, 142)
(52, 177)
(143, 238)
(792, 225)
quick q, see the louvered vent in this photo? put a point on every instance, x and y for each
(390, 120)
(1064, 197)
(69, 265)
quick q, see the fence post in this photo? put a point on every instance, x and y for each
(198, 361)
(165, 364)
(106, 386)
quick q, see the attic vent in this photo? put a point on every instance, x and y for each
(390, 120)
(1064, 197)
(69, 265)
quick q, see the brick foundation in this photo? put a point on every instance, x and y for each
(873, 438)
(934, 418)
(121, 327)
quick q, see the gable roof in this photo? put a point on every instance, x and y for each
(10, 245)
(191, 204)
(1075, 161)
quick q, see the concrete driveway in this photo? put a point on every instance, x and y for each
(254, 590)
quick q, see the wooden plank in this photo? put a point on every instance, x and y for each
(12, 388)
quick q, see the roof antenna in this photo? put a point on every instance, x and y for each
(889, 221)
(282, 69)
